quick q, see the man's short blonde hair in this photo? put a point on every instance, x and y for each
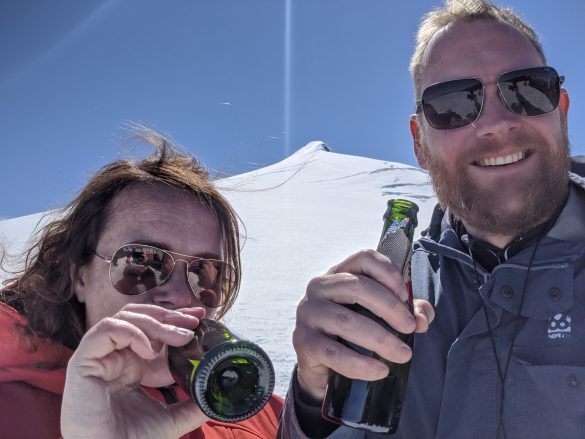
(454, 11)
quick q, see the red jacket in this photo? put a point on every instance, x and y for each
(32, 377)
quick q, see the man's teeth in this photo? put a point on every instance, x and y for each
(506, 160)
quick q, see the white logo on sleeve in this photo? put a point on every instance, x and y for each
(559, 326)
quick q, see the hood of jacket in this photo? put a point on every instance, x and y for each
(33, 360)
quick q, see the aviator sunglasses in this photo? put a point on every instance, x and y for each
(138, 268)
(457, 103)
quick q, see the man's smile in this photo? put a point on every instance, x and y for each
(502, 160)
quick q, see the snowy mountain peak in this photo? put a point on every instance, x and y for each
(311, 147)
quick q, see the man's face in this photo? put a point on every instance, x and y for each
(493, 201)
(164, 217)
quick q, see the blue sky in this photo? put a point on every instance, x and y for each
(241, 84)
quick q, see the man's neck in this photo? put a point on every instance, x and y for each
(490, 254)
(500, 241)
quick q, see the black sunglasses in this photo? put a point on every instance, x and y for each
(526, 92)
(138, 268)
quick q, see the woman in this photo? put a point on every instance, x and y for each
(84, 329)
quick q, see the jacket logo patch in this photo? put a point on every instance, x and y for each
(559, 326)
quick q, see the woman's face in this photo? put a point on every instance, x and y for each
(166, 218)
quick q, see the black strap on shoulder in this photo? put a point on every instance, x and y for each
(578, 165)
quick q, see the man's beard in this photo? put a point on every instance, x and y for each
(543, 192)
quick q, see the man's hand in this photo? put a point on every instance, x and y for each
(103, 397)
(367, 278)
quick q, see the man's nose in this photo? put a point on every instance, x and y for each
(496, 118)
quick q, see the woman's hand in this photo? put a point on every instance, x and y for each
(103, 397)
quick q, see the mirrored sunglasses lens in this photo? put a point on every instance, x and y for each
(138, 269)
(453, 104)
(531, 92)
(205, 278)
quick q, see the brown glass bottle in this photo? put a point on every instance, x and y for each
(376, 405)
(229, 378)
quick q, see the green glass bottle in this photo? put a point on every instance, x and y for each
(376, 405)
(231, 379)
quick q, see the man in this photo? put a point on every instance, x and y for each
(502, 264)
(84, 305)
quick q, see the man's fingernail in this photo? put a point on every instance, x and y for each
(404, 293)
(405, 349)
(410, 323)
(380, 370)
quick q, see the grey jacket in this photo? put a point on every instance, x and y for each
(454, 389)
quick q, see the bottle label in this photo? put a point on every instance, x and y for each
(396, 225)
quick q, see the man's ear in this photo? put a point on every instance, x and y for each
(78, 276)
(564, 102)
(416, 144)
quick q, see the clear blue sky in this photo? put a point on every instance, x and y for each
(240, 83)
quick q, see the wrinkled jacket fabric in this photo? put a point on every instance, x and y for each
(454, 389)
(32, 377)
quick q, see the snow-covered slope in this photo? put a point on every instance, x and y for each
(302, 215)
